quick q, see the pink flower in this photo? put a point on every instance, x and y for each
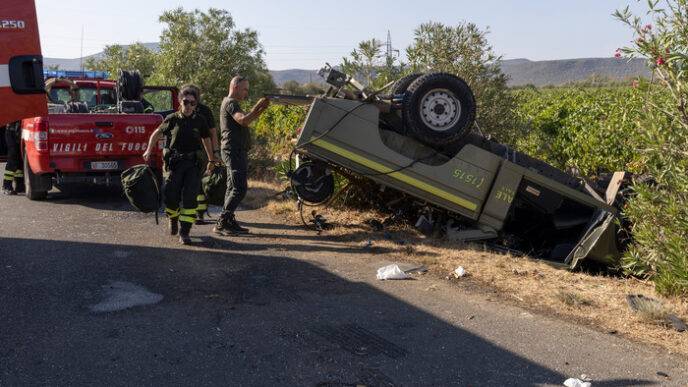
(647, 27)
(617, 54)
(660, 61)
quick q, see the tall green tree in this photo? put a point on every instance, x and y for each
(133, 57)
(371, 65)
(464, 50)
(206, 48)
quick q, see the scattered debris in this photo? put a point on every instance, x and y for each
(391, 272)
(412, 268)
(677, 323)
(520, 272)
(319, 222)
(124, 295)
(460, 272)
(471, 317)
(662, 374)
(425, 225)
(368, 244)
(573, 382)
(462, 234)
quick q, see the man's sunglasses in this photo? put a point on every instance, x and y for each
(187, 102)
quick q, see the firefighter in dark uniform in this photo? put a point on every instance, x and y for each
(186, 136)
(205, 111)
(13, 170)
(235, 143)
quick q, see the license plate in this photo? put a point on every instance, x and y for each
(104, 165)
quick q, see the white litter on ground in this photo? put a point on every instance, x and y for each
(391, 272)
(123, 295)
(459, 272)
(573, 382)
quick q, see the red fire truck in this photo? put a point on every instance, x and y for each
(76, 128)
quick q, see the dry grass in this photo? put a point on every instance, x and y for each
(595, 300)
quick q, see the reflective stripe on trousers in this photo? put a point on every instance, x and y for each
(9, 175)
(188, 215)
(172, 213)
(202, 203)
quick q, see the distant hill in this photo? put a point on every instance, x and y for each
(556, 72)
(521, 71)
(74, 64)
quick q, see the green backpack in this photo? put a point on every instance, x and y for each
(215, 186)
(142, 188)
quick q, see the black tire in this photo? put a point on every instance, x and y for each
(34, 185)
(402, 84)
(129, 84)
(313, 182)
(439, 109)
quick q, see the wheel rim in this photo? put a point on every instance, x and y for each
(440, 110)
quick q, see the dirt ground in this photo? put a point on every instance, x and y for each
(598, 301)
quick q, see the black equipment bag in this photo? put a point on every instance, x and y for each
(142, 188)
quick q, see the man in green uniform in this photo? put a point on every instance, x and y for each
(14, 172)
(205, 111)
(186, 133)
(235, 143)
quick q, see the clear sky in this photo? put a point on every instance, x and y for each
(306, 33)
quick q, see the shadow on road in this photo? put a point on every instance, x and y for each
(226, 319)
(92, 196)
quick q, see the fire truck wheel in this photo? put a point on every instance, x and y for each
(439, 108)
(34, 184)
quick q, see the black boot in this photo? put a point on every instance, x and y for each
(200, 218)
(184, 231)
(174, 226)
(19, 185)
(227, 225)
(235, 226)
(222, 225)
(7, 188)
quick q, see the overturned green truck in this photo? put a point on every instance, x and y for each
(420, 139)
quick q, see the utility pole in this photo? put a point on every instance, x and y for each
(390, 51)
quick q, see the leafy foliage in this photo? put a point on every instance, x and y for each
(371, 65)
(133, 57)
(659, 211)
(206, 48)
(464, 50)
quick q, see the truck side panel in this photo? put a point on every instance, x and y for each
(21, 64)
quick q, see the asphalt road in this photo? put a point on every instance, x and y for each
(281, 307)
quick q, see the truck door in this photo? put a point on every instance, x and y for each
(22, 92)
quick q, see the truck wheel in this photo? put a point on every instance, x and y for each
(34, 184)
(439, 108)
(402, 84)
